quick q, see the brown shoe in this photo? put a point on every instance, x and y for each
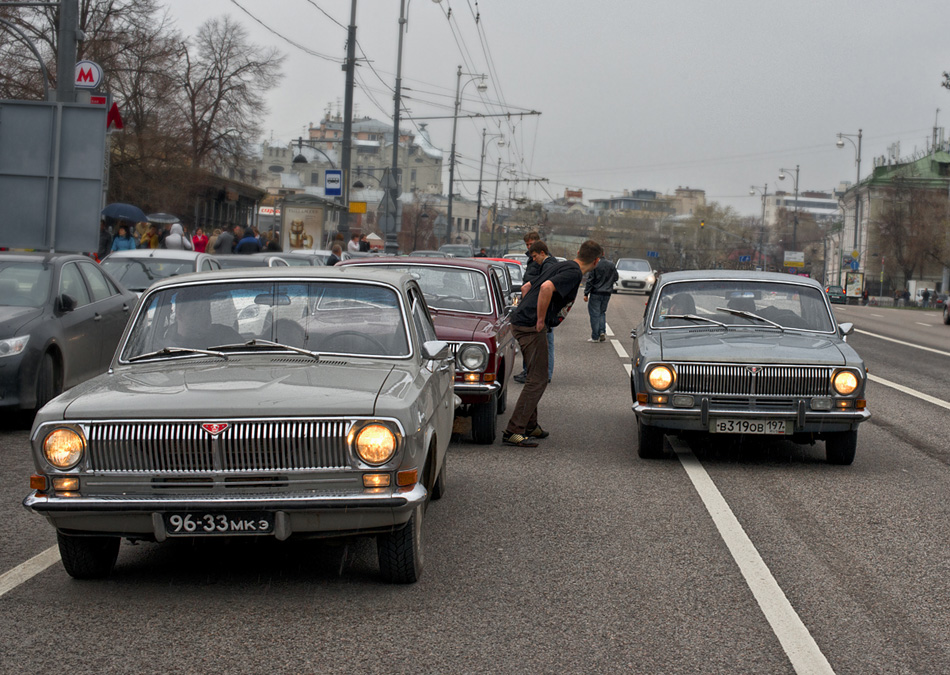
(518, 440)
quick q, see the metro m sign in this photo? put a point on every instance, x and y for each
(88, 74)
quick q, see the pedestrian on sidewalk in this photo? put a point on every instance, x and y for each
(600, 284)
(544, 304)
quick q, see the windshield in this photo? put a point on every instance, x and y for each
(788, 305)
(450, 288)
(24, 284)
(458, 250)
(325, 317)
(633, 265)
(138, 274)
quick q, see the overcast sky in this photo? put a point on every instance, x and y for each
(632, 95)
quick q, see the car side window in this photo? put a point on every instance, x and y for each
(421, 317)
(205, 265)
(71, 284)
(101, 290)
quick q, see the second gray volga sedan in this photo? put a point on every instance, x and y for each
(326, 412)
(750, 353)
(140, 268)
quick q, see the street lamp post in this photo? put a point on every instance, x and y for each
(481, 166)
(481, 86)
(857, 196)
(764, 191)
(301, 159)
(781, 176)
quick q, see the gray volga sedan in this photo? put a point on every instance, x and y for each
(256, 402)
(753, 353)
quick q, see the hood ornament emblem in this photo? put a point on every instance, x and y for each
(214, 428)
(753, 369)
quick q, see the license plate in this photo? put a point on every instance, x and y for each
(226, 523)
(750, 426)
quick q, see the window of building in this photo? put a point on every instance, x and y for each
(412, 176)
(314, 177)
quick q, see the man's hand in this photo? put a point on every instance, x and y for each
(544, 299)
(585, 298)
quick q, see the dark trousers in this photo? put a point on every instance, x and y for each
(534, 347)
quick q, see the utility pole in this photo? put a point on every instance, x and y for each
(391, 183)
(349, 66)
(66, 58)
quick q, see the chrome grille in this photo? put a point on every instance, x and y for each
(185, 447)
(740, 380)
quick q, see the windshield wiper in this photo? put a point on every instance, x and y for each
(693, 317)
(257, 342)
(750, 315)
(173, 351)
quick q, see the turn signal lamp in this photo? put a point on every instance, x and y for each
(38, 482)
(860, 404)
(406, 478)
(65, 483)
(471, 377)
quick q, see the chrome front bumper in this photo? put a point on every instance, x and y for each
(804, 420)
(463, 388)
(326, 514)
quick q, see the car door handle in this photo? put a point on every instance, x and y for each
(97, 317)
(125, 307)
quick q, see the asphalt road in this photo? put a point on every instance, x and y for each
(573, 557)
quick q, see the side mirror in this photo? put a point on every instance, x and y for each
(436, 350)
(66, 303)
(845, 329)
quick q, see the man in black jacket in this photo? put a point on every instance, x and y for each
(600, 284)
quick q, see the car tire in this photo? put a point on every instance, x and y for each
(400, 552)
(88, 557)
(438, 487)
(485, 420)
(840, 447)
(649, 441)
(503, 400)
(946, 317)
(46, 386)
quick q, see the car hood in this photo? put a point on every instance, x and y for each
(219, 389)
(12, 319)
(460, 327)
(745, 346)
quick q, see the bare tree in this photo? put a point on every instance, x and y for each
(223, 81)
(911, 227)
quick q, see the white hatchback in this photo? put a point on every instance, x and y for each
(636, 276)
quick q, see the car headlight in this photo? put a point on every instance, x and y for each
(660, 378)
(651, 279)
(472, 357)
(63, 448)
(375, 444)
(845, 382)
(14, 345)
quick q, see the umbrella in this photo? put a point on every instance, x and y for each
(120, 211)
(163, 218)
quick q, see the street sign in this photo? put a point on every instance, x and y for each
(854, 265)
(357, 207)
(88, 75)
(745, 258)
(652, 254)
(794, 258)
(333, 183)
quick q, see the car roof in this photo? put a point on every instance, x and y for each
(301, 273)
(39, 256)
(737, 275)
(469, 263)
(163, 253)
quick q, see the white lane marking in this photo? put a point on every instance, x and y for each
(921, 323)
(610, 331)
(909, 391)
(880, 316)
(629, 368)
(799, 645)
(901, 342)
(621, 352)
(29, 569)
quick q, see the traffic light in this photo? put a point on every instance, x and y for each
(702, 223)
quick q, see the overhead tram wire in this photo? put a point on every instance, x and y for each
(306, 50)
(323, 11)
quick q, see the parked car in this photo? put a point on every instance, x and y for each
(836, 295)
(239, 260)
(315, 257)
(515, 268)
(61, 317)
(634, 276)
(458, 250)
(470, 312)
(140, 268)
(754, 353)
(428, 254)
(331, 418)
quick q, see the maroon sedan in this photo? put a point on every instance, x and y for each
(469, 311)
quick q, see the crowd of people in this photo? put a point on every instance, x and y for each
(221, 241)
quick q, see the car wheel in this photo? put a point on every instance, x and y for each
(438, 488)
(946, 317)
(485, 420)
(400, 552)
(46, 386)
(88, 557)
(840, 447)
(649, 441)
(503, 400)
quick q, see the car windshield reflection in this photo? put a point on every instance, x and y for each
(743, 303)
(320, 317)
(24, 284)
(448, 288)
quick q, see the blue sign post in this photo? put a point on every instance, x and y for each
(333, 183)
(854, 265)
(652, 254)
